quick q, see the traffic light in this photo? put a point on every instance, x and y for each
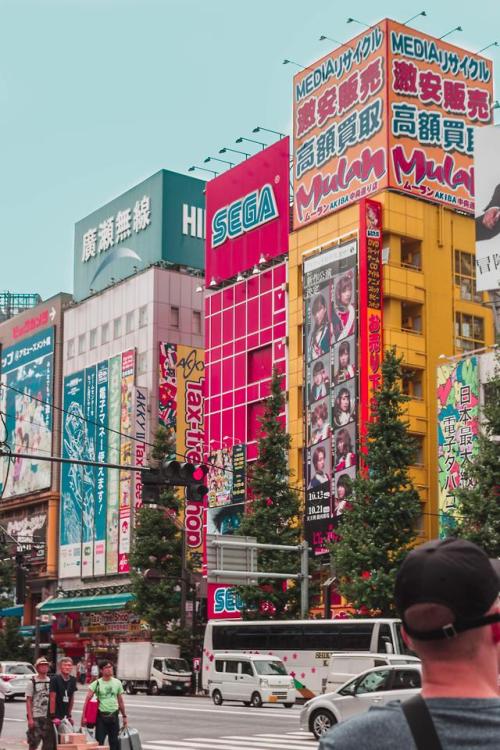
(191, 476)
(21, 579)
(151, 486)
(197, 489)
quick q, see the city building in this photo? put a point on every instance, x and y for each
(133, 347)
(30, 404)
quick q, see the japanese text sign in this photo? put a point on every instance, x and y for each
(248, 213)
(393, 108)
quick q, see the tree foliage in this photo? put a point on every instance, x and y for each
(478, 501)
(378, 527)
(12, 645)
(273, 515)
(157, 545)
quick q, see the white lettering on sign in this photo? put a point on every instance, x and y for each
(116, 229)
(193, 221)
(244, 214)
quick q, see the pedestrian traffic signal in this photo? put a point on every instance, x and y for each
(151, 486)
(191, 476)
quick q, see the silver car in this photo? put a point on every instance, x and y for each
(15, 675)
(371, 688)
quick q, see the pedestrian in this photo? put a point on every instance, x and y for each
(40, 728)
(109, 693)
(447, 595)
(3, 691)
(62, 692)
(81, 669)
(94, 671)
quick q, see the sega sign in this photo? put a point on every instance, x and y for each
(255, 209)
(223, 602)
(248, 213)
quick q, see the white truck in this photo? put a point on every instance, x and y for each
(152, 667)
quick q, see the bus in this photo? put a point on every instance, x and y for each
(305, 646)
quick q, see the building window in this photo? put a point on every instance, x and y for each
(411, 253)
(81, 343)
(142, 363)
(93, 338)
(174, 317)
(105, 333)
(411, 317)
(412, 383)
(196, 322)
(469, 331)
(117, 328)
(419, 450)
(143, 316)
(129, 322)
(465, 276)
(70, 348)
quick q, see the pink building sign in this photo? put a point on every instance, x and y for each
(248, 213)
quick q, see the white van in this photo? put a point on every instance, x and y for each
(253, 679)
(342, 666)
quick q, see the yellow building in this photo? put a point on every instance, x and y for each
(430, 308)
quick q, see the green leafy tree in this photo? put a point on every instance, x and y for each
(157, 545)
(273, 515)
(377, 528)
(12, 645)
(478, 501)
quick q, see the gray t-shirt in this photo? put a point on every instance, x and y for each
(38, 689)
(461, 724)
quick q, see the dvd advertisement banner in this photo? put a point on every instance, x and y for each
(331, 389)
(27, 377)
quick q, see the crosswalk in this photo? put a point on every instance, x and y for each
(285, 741)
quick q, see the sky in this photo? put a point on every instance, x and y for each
(96, 95)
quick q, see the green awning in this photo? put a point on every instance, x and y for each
(16, 611)
(85, 603)
(28, 631)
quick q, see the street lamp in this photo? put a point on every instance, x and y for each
(234, 151)
(215, 158)
(268, 130)
(250, 140)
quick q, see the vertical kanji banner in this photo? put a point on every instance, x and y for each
(126, 429)
(113, 504)
(371, 342)
(458, 426)
(88, 508)
(102, 474)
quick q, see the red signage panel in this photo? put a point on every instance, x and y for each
(248, 214)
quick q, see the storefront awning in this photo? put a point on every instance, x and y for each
(85, 603)
(17, 611)
(28, 631)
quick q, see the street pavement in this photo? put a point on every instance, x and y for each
(188, 723)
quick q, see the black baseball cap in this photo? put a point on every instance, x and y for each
(454, 573)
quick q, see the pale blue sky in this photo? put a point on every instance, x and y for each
(96, 95)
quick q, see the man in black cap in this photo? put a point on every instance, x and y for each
(447, 595)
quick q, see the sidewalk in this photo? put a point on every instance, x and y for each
(13, 743)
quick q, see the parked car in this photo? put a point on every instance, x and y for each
(253, 679)
(15, 675)
(373, 687)
(344, 666)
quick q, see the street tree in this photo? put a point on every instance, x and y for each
(157, 547)
(12, 645)
(272, 515)
(378, 527)
(478, 500)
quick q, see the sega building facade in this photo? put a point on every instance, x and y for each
(245, 330)
(111, 392)
(383, 163)
(30, 379)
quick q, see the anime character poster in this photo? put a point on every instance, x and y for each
(126, 430)
(330, 348)
(226, 490)
(101, 473)
(113, 503)
(88, 509)
(27, 376)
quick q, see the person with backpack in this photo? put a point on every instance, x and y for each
(447, 595)
(109, 693)
(62, 692)
(40, 728)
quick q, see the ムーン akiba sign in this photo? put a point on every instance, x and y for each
(393, 108)
(248, 213)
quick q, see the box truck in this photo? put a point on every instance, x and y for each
(152, 667)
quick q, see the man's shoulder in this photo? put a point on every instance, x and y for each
(381, 726)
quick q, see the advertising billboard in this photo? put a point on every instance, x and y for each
(98, 406)
(180, 397)
(392, 108)
(487, 176)
(27, 380)
(331, 388)
(226, 489)
(458, 426)
(162, 218)
(223, 602)
(248, 213)
(340, 127)
(438, 94)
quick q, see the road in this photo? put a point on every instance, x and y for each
(188, 723)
